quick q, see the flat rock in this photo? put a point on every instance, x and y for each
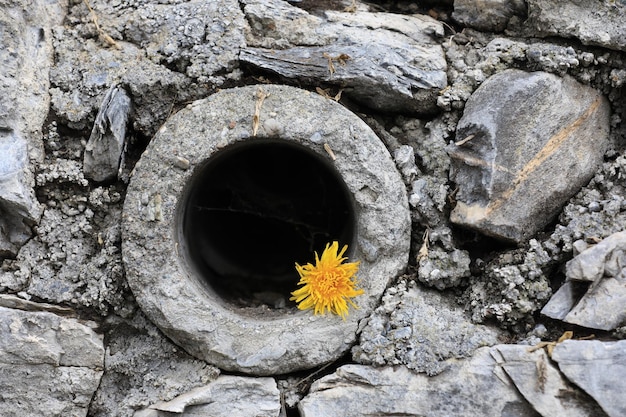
(489, 15)
(598, 368)
(399, 68)
(227, 396)
(592, 22)
(49, 365)
(541, 383)
(476, 386)
(517, 165)
(602, 269)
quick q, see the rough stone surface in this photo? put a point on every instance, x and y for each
(598, 368)
(142, 367)
(504, 153)
(104, 152)
(592, 22)
(24, 99)
(49, 365)
(167, 53)
(511, 287)
(602, 267)
(227, 396)
(420, 329)
(490, 15)
(203, 41)
(399, 68)
(263, 341)
(473, 386)
(541, 383)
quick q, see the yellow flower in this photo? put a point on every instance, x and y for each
(329, 284)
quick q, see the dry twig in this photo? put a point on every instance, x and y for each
(256, 119)
(103, 35)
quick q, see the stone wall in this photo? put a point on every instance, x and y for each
(503, 118)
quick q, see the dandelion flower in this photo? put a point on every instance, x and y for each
(329, 284)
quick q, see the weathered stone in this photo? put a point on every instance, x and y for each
(516, 165)
(511, 288)
(592, 22)
(173, 284)
(227, 396)
(419, 328)
(142, 367)
(49, 366)
(400, 68)
(541, 383)
(475, 386)
(104, 152)
(490, 15)
(598, 368)
(25, 58)
(603, 267)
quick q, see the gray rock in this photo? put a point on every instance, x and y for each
(25, 59)
(603, 268)
(516, 166)
(598, 368)
(591, 22)
(227, 396)
(104, 152)
(474, 386)
(200, 51)
(142, 367)
(419, 328)
(490, 15)
(512, 287)
(541, 383)
(443, 269)
(401, 68)
(180, 298)
(49, 366)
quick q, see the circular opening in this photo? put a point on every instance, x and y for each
(254, 210)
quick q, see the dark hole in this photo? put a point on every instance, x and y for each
(257, 208)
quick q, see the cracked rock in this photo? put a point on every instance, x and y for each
(598, 368)
(227, 396)
(399, 67)
(474, 386)
(49, 365)
(602, 268)
(541, 383)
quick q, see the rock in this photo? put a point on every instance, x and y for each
(591, 22)
(541, 383)
(142, 367)
(603, 268)
(511, 287)
(490, 15)
(420, 329)
(516, 166)
(104, 152)
(598, 368)
(400, 68)
(227, 396)
(200, 52)
(474, 386)
(49, 366)
(443, 269)
(25, 59)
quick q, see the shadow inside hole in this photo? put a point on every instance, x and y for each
(254, 210)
